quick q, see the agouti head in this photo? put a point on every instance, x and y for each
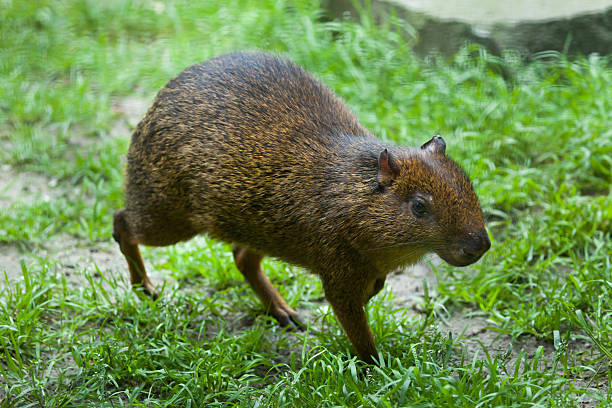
(435, 207)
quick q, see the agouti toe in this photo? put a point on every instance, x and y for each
(287, 318)
(149, 289)
(296, 324)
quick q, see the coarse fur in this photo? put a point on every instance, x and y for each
(251, 149)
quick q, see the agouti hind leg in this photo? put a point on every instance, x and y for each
(248, 263)
(129, 247)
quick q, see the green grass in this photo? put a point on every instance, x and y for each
(538, 147)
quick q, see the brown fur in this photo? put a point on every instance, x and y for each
(251, 149)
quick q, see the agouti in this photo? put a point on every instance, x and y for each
(251, 149)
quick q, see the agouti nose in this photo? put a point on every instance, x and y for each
(476, 245)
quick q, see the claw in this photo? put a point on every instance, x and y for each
(295, 324)
(288, 319)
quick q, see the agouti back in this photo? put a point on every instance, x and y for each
(251, 149)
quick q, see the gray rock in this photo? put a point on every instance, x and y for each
(573, 27)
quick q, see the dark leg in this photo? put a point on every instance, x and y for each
(248, 263)
(347, 304)
(129, 248)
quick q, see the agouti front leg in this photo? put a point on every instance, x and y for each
(347, 302)
(248, 263)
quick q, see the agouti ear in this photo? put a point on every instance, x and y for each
(436, 145)
(388, 168)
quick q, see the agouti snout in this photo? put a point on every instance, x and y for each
(251, 149)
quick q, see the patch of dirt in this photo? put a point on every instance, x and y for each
(67, 255)
(78, 261)
(30, 187)
(408, 285)
(130, 110)
(10, 263)
(408, 289)
(75, 260)
(25, 187)
(21, 187)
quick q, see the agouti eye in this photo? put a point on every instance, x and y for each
(419, 209)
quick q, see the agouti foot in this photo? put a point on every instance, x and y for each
(288, 318)
(153, 294)
(148, 289)
(364, 363)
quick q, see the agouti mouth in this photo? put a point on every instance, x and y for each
(469, 251)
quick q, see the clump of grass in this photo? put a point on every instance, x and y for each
(104, 345)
